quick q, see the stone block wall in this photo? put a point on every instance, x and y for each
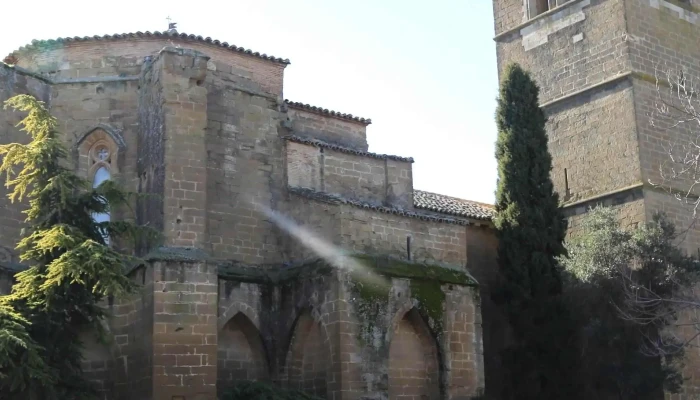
(367, 231)
(317, 220)
(353, 177)
(123, 57)
(236, 294)
(582, 44)
(661, 33)
(631, 207)
(357, 229)
(244, 173)
(131, 345)
(597, 62)
(343, 132)
(184, 330)
(324, 331)
(309, 334)
(399, 184)
(593, 143)
(412, 338)
(482, 263)
(151, 148)
(185, 118)
(366, 177)
(244, 354)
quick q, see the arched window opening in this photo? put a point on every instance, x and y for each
(97, 160)
(100, 157)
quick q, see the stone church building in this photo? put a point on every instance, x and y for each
(291, 253)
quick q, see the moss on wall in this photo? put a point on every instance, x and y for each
(371, 296)
(383, 266)
(431, 301)
(405, 269)
(370, 300)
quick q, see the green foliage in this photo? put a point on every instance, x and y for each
(602, 263)
(71, 269)
(264, 391)
(542, 362)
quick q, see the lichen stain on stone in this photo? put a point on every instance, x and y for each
(431, 301)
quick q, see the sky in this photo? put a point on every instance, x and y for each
(424, 72)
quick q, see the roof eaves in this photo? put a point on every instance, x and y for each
(171, 34)
(343, 149)
(460, 207)
(325, 111)
(332, 199)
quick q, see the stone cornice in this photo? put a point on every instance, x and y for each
(382, 265)
(342, 149)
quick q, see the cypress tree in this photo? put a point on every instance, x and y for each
(541, 362)
(71, 269)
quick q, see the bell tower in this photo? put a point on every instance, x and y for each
(596, 62)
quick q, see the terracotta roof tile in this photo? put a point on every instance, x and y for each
(333, 199)
(325, 111)
(156, 34)
(342, 149)
(452, 205)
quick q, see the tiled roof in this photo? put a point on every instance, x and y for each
(167, 34)
(452, 205)
(342, 149)
(325, 111)
(332, 199)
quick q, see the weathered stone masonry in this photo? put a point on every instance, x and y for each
(596, 61)
(380, 297)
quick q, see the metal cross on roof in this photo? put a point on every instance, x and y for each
(171, 25)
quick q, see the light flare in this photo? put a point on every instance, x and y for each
(325, 250)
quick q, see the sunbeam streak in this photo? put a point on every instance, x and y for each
(335, 256)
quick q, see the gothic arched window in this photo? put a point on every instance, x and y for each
(97, 156)
(100, 155)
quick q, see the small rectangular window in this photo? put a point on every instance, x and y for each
(537, 7)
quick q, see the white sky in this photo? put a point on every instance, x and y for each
(424, 72)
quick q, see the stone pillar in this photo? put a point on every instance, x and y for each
(462, 343)
(184, 103)
(185, 288)
(185, 331)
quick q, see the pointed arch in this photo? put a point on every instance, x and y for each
(414, 359)
(308, 365)
(241, 353)
(97, 153)
(110, 131)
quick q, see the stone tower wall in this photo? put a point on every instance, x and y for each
(596, 62)
(663, 36)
